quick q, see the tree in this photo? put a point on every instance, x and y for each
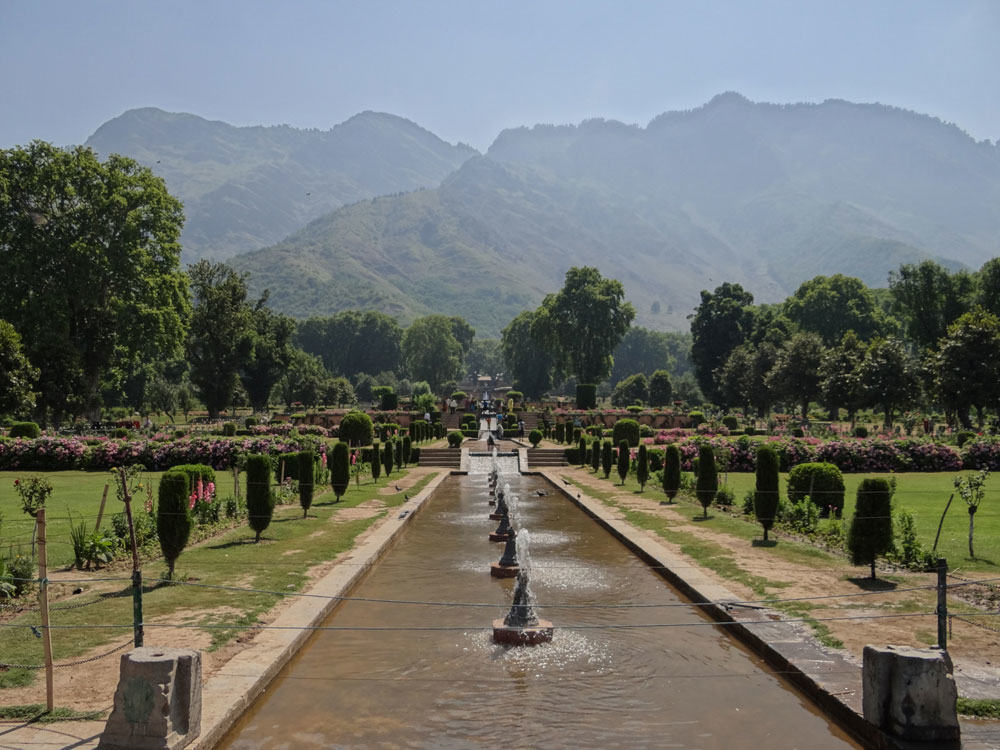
(528, 363)
(269, 357)
(840, 376)
(17, 376)
(387, 456)
(484, 357)
(889, 376)
(340, 468)
(870, 534)
(660, 389)
(431, 351)
(607, 458)
(584, 322)
(671, 471)
(765, 496)
(972, 489)
(173, 519)
(642, 350)
(722, 321)
(829, 306)
(222, 332)
(624, 460)
(305, 380)
(642, 467)
(707, 484)
(927, 299)
(356, 428)
(307, 473)
(987, 286)
(633, 389)
(91, 270)
(352, 342)
(463, 333)
(967, 365)
(796, 376)
(260, 499)
(733, 379)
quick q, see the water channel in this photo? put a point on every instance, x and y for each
(679, 682)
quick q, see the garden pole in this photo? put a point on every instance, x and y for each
(941, 522)
(43, 605)
(942, 603)
(136, 572)
(100, 512)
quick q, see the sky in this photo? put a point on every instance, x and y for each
(467, 69)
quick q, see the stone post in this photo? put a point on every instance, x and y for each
(910, 693)
(158, 701)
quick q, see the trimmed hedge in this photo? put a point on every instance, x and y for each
(28, 430)
(870, 534)
(535, 437)
(626, 429)
(173, 518)
(356, 428)
(586, 396)
(455, 438)
(822, 483)
(260, 499)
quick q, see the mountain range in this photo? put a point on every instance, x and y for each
(761, 194)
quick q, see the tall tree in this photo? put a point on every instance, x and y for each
(91, 269)
(484, 357)
(796, 376)
(832, 305)
(529, 364)
(641, 350)
(17, 376)
(840, 376)
(269, 357)
(722, 321)
(352, 342)
(889, 376)
(660, 388)
(584, 321)
(927, 299)
(222, 332)
(987, 286)
(431, 351)
(967, 365)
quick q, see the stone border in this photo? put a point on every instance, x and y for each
(226, 697)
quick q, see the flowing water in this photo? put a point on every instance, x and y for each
(618, 673)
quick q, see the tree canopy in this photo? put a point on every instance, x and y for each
(722, 321)
(91, 263)
(529, 364)
(584, 322)
(431, 351)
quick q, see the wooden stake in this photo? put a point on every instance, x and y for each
(236, 482)
(43, 604)
(100, 513)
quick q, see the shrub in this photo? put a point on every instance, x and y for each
(406, 446)
(642, 468)
(173, 519)
(731, 423)
(624, 460)
(582, 457)
(515, 395)
(21, 574)
(671, 471)
(340, 468)
(633, 409)
(860, 431)
(375, 461)
(121, 432)
(626, 429)
(963, 437)
(822, 482)
(459, 395)
(229, 429)
(572, 455)
(708, 477)
(250, 422)
(455, 438)
(766, 493)
(356, 428)
(24, 430)
(725, 497)
(870, 534)
(607, 458)
(387, 455)
(535, 437)
(560, 432)
(307, 469)
(696, 418)
(660, 388)
(260, 499)
(586, 396)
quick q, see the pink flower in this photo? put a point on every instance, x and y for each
(192, 500)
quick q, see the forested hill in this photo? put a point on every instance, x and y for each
(764, 195)
(247, 187)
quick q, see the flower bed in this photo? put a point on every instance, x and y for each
(54, 453)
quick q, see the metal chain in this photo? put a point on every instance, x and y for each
(982, 625)
(957, 577)
(4, 665)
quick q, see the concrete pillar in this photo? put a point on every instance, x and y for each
(910, 693)
(158, 701)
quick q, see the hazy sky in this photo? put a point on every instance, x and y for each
(467, 69)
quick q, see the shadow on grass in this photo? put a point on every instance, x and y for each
(701, 519)
(873, 584)
(236, 543)
(763, 543)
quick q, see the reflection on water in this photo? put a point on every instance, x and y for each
(670, 680)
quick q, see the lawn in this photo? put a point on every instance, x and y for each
(290, 546)
(922, 494)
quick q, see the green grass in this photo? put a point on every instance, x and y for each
(290, 546)
(922, 494)
(984, 709)
(35, 713)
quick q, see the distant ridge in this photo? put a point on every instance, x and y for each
(246, 187)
